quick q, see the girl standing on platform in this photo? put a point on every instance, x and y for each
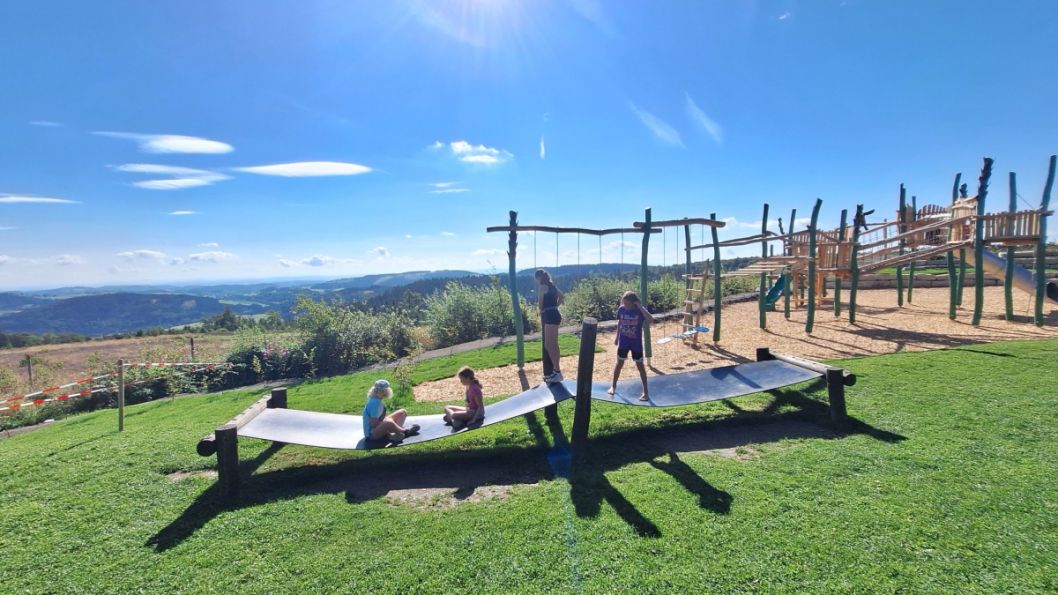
(548, 299)
(475, 401)
(631, 315)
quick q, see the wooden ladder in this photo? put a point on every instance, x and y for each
(692, 305)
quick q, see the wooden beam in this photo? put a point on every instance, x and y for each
(679, 222)
(582, 230)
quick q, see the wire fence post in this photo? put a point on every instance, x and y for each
(121, 395)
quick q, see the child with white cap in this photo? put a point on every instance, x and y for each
(378, 425)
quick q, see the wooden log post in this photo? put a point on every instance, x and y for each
(902, 226)
(643, 285)
(913, 216)
(810, 320)
(192, 339)
(786, 291)
(854, 266)
(278, 398)
(953, 276)
(1008, 277)
(837, 278)
(121, 395)
(837, 379)
(585, 368)
(763, 314)
(1041, 246)
(227, 441)
(717, 285)
(979, 242)
(512, 282)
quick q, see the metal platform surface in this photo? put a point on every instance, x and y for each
(702, 386)
(333, 430)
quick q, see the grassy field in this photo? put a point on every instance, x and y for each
(943, 482)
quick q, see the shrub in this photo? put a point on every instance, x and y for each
(338, 339)
(460, 314)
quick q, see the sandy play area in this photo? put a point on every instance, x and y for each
(881, 328)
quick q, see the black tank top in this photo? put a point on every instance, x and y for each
(550, 297)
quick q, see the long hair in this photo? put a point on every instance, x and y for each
(468, 373)
(630, 296)
(543, 276)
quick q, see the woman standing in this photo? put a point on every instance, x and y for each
(547, 300)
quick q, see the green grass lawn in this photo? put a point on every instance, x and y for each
(944, 482)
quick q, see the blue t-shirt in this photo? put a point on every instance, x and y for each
(630, 328)
(373, 409)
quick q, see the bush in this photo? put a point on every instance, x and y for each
(460, 314)
(338, 339)
(599, 297)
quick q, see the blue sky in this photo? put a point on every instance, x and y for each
(200, 141)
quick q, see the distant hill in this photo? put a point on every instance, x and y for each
(386, 281)
(13, 302)
(106, 314)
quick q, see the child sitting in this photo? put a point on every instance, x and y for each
(379, 426)
(458, 416)
(630, 318)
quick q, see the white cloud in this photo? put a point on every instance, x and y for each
(784, 16)
(450, 191)
(209, 245)
(182, 213)
(6, 228)
(444, 184)
(142, 254)
(487, 252)
(702, 119)
(182, 177)
(478, 154)
(23, 198)
(283, 262)
(448, 234)
(47, 123)
(317, 261)
(176, 261)
(65, 260)
(303, 169)
(407, 236)
(379, 251)
(213, 256)
(5, 259)
(593, 11)
(171, 143)
(543, 149)
(658, 127)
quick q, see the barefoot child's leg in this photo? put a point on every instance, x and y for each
(643, 376)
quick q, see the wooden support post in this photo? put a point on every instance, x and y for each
(763, 314)
(29, 368)
(1041, 246)
(121, 395)
(512, 282)
(854, 266)
(836, 395)
(643, 285)
(687, 244)
(787, 290)
(954, 280)
(1008, 277)
(837, 258)
(902, 221)
(810, 320)
(913, 215)
(192, 340)
(227, 443)
(585, 368)
(979, 243)
(962, 251)
(717, 285)
(278, 399)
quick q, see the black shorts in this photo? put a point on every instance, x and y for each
(551, 316)
(637, 354)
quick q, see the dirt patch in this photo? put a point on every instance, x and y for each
(881, 328)
(210, 474)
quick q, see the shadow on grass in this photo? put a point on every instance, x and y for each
(375, 476)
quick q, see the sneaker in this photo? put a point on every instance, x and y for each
(411, 430)
(458, 425)
(396, 437)
(554, 378)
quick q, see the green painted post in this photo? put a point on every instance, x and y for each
(837, 253)
(687, 244)
(953, 277)
(1008, 278)
(812, 266)
(512, 279)
(854, 264)
(979, 242)
(911, 267)
(643, 287)
(763, 276)
(901, 228)
(789, 275)
(962, 251)
(1041, 247)
(717, 270)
